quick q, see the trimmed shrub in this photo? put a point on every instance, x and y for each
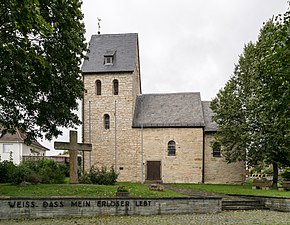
(99, 176)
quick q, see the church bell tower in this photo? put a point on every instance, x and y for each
(111, 76)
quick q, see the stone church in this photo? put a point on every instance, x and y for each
(144, 137)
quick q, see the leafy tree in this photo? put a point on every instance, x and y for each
(41, 47)
(253, 109)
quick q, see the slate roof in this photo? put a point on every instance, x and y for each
(19, 137)
(122, 46)
(210, 125)
(168, 110)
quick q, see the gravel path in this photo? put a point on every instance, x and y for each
(231, 217)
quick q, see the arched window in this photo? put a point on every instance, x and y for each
(171, 148)
(115, 87)
(98, 87)
(216, 149)
(106, 121)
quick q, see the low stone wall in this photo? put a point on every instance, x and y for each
(273, 203)
(48, 207)
(278, 204)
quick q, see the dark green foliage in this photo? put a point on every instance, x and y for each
(40, 171)
(23, 173)
(252, 110)
(99, 176)
(42, 45)
(6, 171)
(286, 175)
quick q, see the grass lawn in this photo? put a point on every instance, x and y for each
(135, 189)
(82, 190)
(234, 189)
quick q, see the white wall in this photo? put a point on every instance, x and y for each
(15, 148)
(18, 150)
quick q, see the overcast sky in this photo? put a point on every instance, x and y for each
(184, 45)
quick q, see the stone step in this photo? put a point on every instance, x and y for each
(242, 205)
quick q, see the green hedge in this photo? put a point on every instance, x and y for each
(39, 171)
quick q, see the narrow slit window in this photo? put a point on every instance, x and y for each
(115, 87)
(106, 121)
(98, 87)
(171, 148)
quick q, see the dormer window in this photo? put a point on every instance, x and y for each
(109, 58)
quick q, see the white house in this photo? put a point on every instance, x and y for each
(13, 146)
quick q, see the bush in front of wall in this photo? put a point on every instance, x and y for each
(99, 176)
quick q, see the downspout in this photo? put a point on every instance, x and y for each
(115, 150)
(83, 128)
(142, 143)
(203, 155)
(90, 134)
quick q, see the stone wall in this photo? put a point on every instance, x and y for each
(186, 166)
(273, 203)
(118, 146)
(217, 170)
(51, 207)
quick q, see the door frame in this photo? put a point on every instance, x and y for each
(160, 170)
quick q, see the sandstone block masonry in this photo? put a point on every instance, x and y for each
(186, 164)
(119, 145)
(217, 170)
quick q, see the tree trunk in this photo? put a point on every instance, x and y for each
(275, 175)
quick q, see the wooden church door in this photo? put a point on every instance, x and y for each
(153, 170)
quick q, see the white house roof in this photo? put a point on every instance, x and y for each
(20, 137)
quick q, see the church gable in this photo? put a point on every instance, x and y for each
(111, 53)
(168, 110)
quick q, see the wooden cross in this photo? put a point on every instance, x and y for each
(73, 146)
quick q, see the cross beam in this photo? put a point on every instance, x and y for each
(73, 146)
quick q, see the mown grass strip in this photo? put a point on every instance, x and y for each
(234, 189)
(82, 190)
(135, 189)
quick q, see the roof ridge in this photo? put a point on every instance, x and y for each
(98, 35)
(19, 135)
(172, 93)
